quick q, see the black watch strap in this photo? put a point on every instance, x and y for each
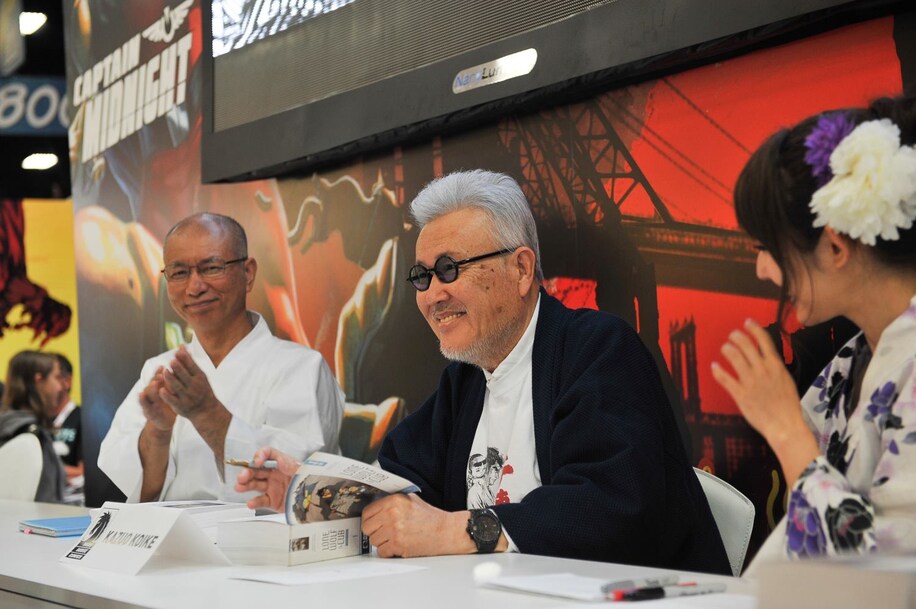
(484, 529)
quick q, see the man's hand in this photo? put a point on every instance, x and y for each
(153, 444)
(272, 483)
(406, 526)
(185, 387)
(159, 415)
(187, 391)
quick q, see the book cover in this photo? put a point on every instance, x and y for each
(331, 487)
(56, 527)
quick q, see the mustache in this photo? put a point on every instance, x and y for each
(443, 309)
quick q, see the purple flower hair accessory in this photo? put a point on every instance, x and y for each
(830, 130)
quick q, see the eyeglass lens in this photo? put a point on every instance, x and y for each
(210, 269)
(445, 268)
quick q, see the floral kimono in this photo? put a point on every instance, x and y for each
(860, 495)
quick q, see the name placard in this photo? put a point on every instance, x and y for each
(123, 538)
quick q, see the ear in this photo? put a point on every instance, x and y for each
(251, 271)
(839, 247)
(524, 262)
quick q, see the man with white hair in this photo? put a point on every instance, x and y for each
(583, 456)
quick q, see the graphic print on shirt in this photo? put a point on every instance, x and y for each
(484, 476)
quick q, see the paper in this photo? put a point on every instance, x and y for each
(296, 577)
(565, 585)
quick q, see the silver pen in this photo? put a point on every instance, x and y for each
(269, 464)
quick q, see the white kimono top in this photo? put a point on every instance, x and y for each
(279, 393)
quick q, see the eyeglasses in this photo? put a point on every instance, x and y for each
(445, 268)
(208, 269)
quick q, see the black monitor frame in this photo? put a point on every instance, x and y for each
(614, 44)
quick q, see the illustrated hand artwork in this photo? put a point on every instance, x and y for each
(406, 526)
(46, 317)
(271, 483)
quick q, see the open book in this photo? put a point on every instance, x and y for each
(330, 487)
(324, 501)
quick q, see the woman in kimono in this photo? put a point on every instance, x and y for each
(832, 202)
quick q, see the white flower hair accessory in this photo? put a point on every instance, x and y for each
(873, 189)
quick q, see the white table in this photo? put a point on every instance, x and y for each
(32, 577)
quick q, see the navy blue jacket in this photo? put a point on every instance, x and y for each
(616, 484)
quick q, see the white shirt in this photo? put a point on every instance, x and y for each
(279, 393)
(503, 464)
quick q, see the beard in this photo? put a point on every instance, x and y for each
(489, 350)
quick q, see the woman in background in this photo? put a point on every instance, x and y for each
(832, 203)
(33, 387)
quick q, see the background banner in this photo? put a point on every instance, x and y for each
(631, 189)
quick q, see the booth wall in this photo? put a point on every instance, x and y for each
(631, 189)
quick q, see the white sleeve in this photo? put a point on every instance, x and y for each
(304, 408)
(119, 455)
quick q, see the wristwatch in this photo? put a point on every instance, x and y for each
(484, 529)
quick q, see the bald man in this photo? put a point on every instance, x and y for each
(233, 388)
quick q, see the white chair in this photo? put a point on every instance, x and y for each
(734, 515)
(20, 467)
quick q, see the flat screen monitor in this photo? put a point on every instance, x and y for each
(294, 84)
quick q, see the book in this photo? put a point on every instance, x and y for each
(852, 582)
(269, 540)
(70, 526)
(329, 487)
(323, 504)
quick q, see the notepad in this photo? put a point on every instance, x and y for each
(56, 527)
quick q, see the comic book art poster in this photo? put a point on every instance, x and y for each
(37, 281)
(631, 189)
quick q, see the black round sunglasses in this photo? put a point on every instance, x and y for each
(445, 268)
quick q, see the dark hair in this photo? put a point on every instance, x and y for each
(230, 225)
(21, 392)
(774, 189)
(66, 368)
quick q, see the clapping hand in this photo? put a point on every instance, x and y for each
(185, 387)
(157, 412)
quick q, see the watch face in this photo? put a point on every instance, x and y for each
(486, 528)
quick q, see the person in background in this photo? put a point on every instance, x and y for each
(555, 419)
(832, 202)
(66, 425)
(233, 388)
(33, 386)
